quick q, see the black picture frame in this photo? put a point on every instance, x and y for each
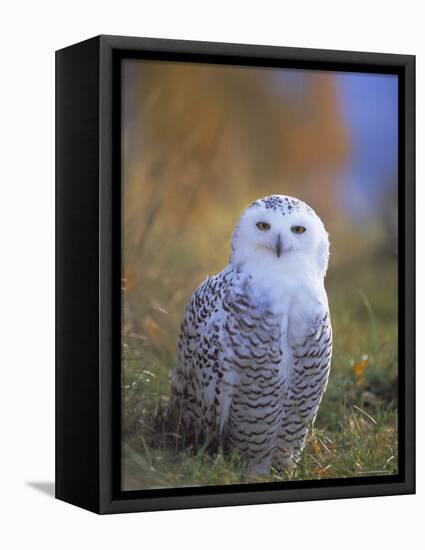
(88, 274)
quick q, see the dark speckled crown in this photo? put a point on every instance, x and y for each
(279, 203)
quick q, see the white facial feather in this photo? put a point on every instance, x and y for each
(251, 245)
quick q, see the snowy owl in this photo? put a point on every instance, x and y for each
(255, 345)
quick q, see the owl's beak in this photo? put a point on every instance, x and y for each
(278, 246)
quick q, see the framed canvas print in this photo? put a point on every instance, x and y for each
(235, 274)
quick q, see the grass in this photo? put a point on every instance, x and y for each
(355, 433)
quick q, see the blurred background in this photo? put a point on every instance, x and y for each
(199, 143)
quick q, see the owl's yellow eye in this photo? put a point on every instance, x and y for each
(263, 226)
(298, 229)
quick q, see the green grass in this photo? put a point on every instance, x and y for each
(355, 433)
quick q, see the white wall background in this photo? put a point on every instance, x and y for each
(29, 33)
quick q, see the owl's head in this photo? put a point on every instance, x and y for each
(278, 231)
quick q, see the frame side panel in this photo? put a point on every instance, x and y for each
(410, 273)
(77, 274)
(110, 275)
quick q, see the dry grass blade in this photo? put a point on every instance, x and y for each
(365, 414)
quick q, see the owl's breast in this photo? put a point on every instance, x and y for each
(255, 352)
